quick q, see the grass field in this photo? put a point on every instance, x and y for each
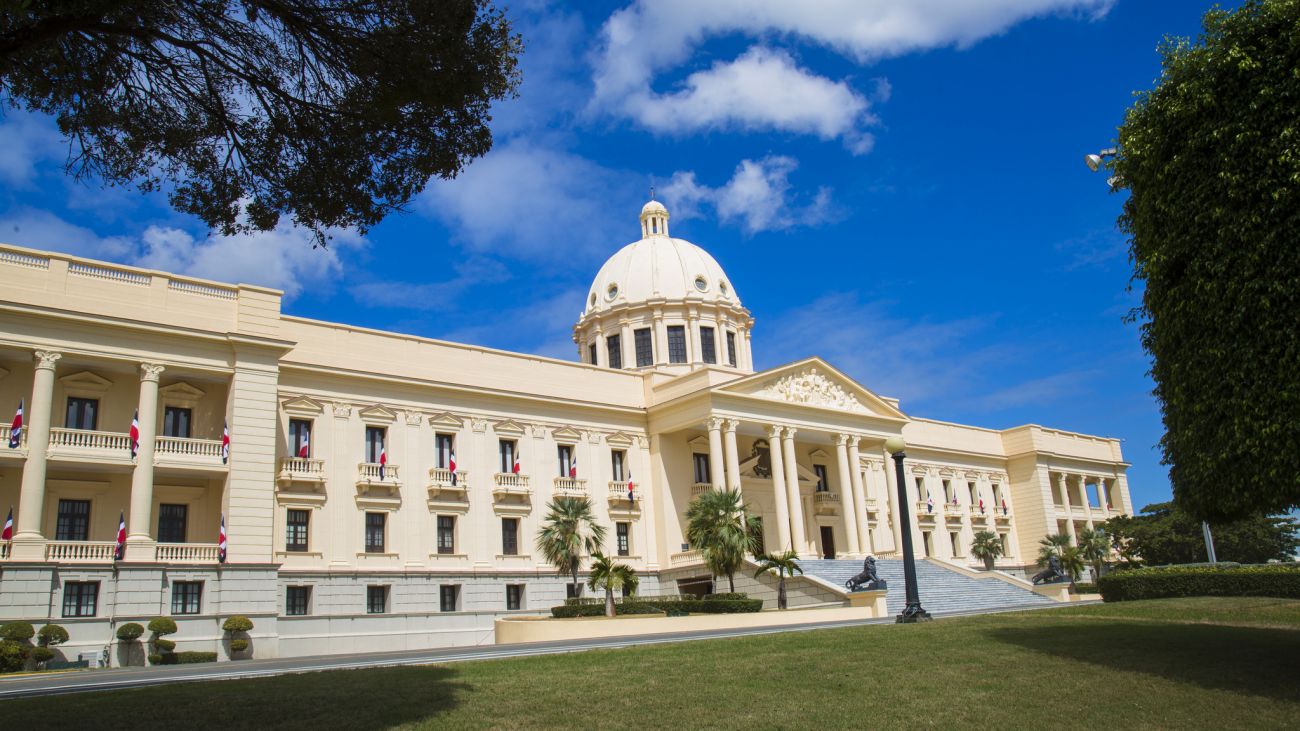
(1222, 663)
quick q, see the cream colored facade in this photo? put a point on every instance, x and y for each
(666, 396)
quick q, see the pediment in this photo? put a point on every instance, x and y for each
(445, 419)
(303, 406)
(619, 439)
(566, 435)
(699, 443)
(813, 382)
(377, 414)
(510, 427)
(180, 392)
(86, 381)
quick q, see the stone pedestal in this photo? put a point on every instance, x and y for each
(1058, 592)
(874, 599)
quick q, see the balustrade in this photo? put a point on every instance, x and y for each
(87, 551)
(85, 439)
(186, 552)
(571, 485)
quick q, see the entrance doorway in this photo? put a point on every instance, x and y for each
(828, 542)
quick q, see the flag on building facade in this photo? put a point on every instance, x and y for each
(451, 465)
(630, 486)
(8, 533)
(120, 551)
(221, 541)
(135, 433)
(383, 460)
(1004, 506)
(225, 443)
(929, 502)
(954, 498)
(16, 428)
(515, 468)
(573, 467)
(304, 444)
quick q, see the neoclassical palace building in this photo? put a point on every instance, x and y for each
(385, 491)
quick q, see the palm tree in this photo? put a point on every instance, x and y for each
(607, 575)
(986, 545)
(719, 525)
(1067, 553)
(569, 529)
(1094, 547)
(780, 564)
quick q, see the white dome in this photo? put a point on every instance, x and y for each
(659, 267)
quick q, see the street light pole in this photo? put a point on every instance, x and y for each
(913, 611)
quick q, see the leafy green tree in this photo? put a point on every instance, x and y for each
(719, 524)
(781, 564)
(986, 546)
(334, 113)
(568, 531)
(1094, 547)
(608, 575)
(1208, 158)
(1164, 533)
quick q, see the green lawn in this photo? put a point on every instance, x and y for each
(1224, 663)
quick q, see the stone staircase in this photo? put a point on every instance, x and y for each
(942, 589)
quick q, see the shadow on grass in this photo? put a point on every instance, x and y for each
(1251, 661)
(353, 699)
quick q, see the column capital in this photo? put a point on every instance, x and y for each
(789, 432)
(730, 425)
(774, 431)
(45, 359)
(150, 372)
(715, 423)
(842, 440)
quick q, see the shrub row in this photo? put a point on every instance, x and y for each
(1268, 580)
(654, 605)
(182, 658)
(1083, 588)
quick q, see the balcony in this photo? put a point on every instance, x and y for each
(5, 433)
(618, 490)
(186, 553)
(301, 469)
(441, 483)
(86, 445)
(685, 558)
(571, 486)
(176, 451)
(506, 484)
(871, 505)
(925, 510)
(80, 551)
(700, 488)
(369, 481)
(953, 511)
(825, 502)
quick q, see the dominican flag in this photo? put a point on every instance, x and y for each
(573, 468)
(135, 433)
(8, 533)
(954, 499)
(630, 496)
(515, 468)
(221, 541)
(981, 505)
(1004, 506)
(120, 551)
(929, 503)
(383, 460)
(16, 428)
(451, 465)
(225, 444)
(304, 444)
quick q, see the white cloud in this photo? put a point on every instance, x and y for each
(432, 296)
(27, 140)
(758, 196)
(646, 39)
(40, 229)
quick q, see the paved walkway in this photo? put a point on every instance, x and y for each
(118, 678)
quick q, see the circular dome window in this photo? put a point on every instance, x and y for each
(612, 292)
(701, 284)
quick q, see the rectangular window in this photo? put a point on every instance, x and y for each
(73, 523)
(973, 493)
(591, 354)
(443, 445)
(676, 344)
(947, 491)
(296, 530)
(570, 591)
(171, 523)
(300, 437)
(645, 353)
(176, 422)
(376, 599)
(621, 531)
(80, 598)
(375, 532)
(510, 536)
(506, 448)
(446, 534)
(822, 483)
(1006, 545)
(731, 349)
(701, 462)
(614, 344)
(708, 348)
(375, 443)
(296, 599)
(617, 461)
(83, 413)
(565, 454)
(514, 596)
(956, 543)
(187, 597)
(447, 596)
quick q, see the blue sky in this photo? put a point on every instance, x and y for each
(896, 186)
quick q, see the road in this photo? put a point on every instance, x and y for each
(42, 684)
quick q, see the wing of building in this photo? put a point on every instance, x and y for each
(381, 490)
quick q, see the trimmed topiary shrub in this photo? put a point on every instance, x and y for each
(156, 659)
(238, 645)
(1281, 581)
(183, 658)
(17, 631)
(728, 595)
(237, 624)
(164, 645)
(13, 656)
(162, 625)
(130, 632)
(42, 654)
(1083, 588)
(51, 635)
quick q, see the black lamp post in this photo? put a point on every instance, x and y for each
(913, 611)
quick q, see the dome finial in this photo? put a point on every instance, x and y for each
(654, 218)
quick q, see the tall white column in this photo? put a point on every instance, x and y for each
(716, 476)
(625, 345)
(792, 490)
(859, 497)
(733, 458)
(1069, 513)
(142, 476)
(846, 495)
(895, 508)
(31, 499)
(1083, 495)
(778, 489)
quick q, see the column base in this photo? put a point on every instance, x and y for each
(27, 548)
(912, 615)
(140, 549)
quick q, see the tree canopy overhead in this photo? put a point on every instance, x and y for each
(333, 112)
(1211, 160)
(1165, 534)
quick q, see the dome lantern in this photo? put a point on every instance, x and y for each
(654, 220)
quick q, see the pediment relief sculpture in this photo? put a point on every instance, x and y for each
(814, 389)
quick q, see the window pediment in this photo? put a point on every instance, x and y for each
(378, 415)
(85, 382)
(303, 406)
(180, 394)
(566, 435)
(445, 419)
(509, 427)
(699, 443)
(619, 439)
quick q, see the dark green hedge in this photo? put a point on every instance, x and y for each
(183, 658)
(1274, 581)
(728, 595)
(659, 604)
(1083, 588)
